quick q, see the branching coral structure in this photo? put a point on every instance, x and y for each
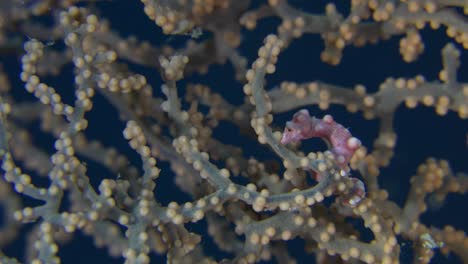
(233, 131)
